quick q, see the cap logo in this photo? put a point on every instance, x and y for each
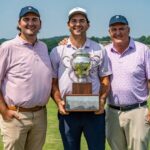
(29, 8)
(117, 17)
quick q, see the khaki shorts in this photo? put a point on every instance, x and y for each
(127, 130)
(28, 133)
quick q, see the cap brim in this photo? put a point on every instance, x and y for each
(122, 22)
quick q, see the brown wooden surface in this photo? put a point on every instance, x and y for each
(82, 88)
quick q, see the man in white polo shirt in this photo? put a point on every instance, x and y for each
(72, 125)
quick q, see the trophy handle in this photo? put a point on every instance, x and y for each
(69, 74)
(95, 61)
(66, 61)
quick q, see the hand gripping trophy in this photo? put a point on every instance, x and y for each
(82, 98)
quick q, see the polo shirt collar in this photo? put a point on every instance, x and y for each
(21, 41)
(86, 44)
(129, 48)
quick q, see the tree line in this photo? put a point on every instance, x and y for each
(52, 42)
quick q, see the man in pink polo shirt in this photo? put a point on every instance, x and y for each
(127, 115)
(25, 85)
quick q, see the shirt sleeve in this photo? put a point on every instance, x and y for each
(4, 57)
(147, 62)
(54, 62)
(104, 68)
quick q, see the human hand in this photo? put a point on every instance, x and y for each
(148, 116)
(102, 107)
(63, 42)
(61, 108)
(8, 115)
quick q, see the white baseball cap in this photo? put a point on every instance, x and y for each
(77, 10)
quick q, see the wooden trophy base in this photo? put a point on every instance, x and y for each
(82, 88)
(82, 99)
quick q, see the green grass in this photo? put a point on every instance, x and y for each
(1, 145)
(53, 140)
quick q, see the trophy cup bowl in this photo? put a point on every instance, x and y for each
(81, 99)
(81, 64)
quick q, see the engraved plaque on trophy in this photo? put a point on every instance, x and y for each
(81, 99)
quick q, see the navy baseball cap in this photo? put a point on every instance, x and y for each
(118, 19)
(28, 9)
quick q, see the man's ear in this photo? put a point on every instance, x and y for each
(129, 30)
(109, 31)
(88, 25)
(40, 23)
(19, 23)
(68, 23)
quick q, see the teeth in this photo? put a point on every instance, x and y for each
(78, 29)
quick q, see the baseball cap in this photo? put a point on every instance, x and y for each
(28, 9)
(77, 10)
(118, 19)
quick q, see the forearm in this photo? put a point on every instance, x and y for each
(57, 97)
(105, 87)
(3, 107)
(56, 92)
(7, 114)
(149, 95)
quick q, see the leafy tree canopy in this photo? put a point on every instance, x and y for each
(52, 42)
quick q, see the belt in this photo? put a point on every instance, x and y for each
(129, 107)
(21, 109)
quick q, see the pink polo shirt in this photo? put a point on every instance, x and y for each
(25, 73)
(131, 72)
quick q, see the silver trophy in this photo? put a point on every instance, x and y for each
(81, 65)
(82, 98)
